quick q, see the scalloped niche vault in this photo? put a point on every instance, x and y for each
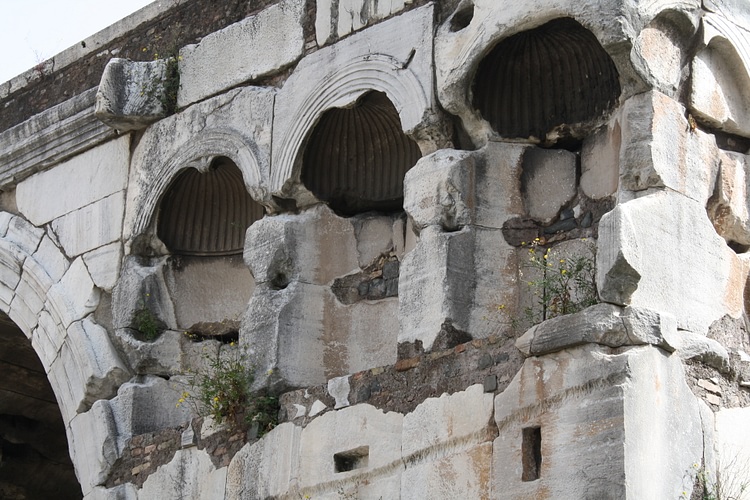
(203, 217)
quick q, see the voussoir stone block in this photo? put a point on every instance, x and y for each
(74, 296)
(92, 445)
(359, 431)
(668, 281)
(660, 149)
(75, 183)
(267, 467)
(256, 46)
(131, 93)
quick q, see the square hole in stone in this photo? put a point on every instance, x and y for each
(352, 459)
(531, 453)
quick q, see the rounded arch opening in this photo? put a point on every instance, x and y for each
(207, 213)
(33, 442)
(546, 84)
(355, 158)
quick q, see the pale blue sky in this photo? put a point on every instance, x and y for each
(32, 31)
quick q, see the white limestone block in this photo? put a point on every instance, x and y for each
(349, 16)
(24, 235)
(439, 423)
(254, 47)
(375, 236)
(75, 183)
(92, 226)
(582, 400)
(190, 474)
(92, 445)
(31, 293)
(728, 207)
(371, 437)
(11, 260)
(659, 149)
(463, 475)
(209, 289)
(628, 274)
(548, 182)
(103, 264)
(101, 369)
(266, 468)
(719, 93)
(393, 57)
(436, 284)
(733, 452)
(315, 246)
(131, 93)
(74, 296)
(451, 188)
(600, 161)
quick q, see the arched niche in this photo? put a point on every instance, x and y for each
(355, 158)
(202, 220)
(550, 83)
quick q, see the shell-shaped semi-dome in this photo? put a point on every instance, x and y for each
(539, 79)
(207, 213)
(356, 158)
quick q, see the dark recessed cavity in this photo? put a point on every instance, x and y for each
(352, 459)
(462, 18)
(531, 453)
(207, 213)
(556, 77)
(356, 158)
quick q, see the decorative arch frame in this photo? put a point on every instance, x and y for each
(198, 153)
(402, 70)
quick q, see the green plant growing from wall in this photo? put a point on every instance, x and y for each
(558, 286)
(732, 482)
(145, 321)
(222, 390)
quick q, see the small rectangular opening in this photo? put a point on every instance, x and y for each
(531, 453)
(352, 459)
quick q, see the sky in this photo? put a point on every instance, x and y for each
(32, 31)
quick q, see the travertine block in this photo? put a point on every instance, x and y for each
(600, 161)
(172, 482)
(73, 184)
(659, 149)
(370, 437)
(254, 47)
(131, 93)
(582, 400)
(548, 182)
(627, 274)
(442, 422)
(728, 207)
(267, 467)
(339, 19)
(92, 226)
(451, 188)
(436, 285)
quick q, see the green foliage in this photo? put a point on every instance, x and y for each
(730, 483)
(147, 323)
(558, 286)
(222, 390)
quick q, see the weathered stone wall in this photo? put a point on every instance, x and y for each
(551, 305)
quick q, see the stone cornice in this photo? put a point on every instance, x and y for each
(50, 137)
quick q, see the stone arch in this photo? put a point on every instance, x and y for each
(51, 300)
(356, 77)
(720, 87)
(198, 153)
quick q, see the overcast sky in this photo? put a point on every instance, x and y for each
(32, 31)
